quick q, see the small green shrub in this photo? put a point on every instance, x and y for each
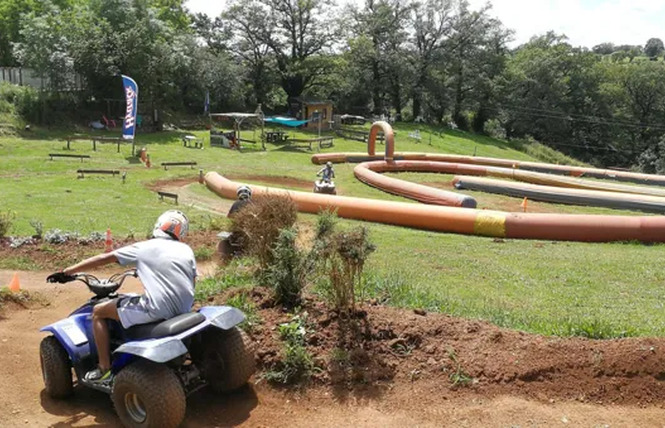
(6, 221)
(286, 274)
(38, 226)
(204, 253)
(458, 377)
(297, 364)
(343, 261)
(326, 222)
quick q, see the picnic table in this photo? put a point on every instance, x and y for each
(192, 141)
(276, 136)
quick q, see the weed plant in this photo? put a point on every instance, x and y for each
(297, 364)
(287, 273)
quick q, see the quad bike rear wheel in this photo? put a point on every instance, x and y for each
(228, 359)
(148, 395)
(56, 368)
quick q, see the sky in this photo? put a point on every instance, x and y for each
(585, 22)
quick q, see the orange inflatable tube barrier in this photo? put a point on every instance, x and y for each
(565, 227)
(573, 171)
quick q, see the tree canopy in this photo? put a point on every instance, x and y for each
(440, 61)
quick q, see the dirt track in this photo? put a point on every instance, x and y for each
(424, 403)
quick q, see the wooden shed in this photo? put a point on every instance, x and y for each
(310, 109)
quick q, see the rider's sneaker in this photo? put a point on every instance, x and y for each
(98, 376)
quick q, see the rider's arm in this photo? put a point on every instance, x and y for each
(91, 263)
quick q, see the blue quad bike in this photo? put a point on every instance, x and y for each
(155, 366)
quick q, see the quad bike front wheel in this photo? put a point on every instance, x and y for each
(148, 395)
(56, 368)
(228, 359)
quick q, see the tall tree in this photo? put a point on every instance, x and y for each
(250, 29)
(654, 48)
(432, 25)
(302, 32)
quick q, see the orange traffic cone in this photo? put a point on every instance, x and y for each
(524, 203)
(15, 285)
(109, 241)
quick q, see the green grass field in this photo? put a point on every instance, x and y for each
(596, 290)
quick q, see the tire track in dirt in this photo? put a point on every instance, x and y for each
(422, 403)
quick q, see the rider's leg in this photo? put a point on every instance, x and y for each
(100, 330)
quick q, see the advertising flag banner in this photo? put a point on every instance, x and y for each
(132, 100)
(206, 103)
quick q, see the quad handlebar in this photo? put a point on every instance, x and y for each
(101, 287)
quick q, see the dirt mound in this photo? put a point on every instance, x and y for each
(380, 346)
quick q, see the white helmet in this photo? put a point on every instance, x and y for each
(244, 192)
(329, 164)
(172, 224)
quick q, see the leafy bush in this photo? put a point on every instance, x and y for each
(287, 272)
(6, 221)
(343, 260)
(297, 364)
(494, 129)
(259, 223)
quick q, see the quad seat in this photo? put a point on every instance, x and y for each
(169, 327)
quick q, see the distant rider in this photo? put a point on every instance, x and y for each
(244, 197)
(167, 269)
(327, 173)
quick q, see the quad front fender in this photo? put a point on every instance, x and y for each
(157, 350)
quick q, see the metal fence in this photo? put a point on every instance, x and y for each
(27, 77)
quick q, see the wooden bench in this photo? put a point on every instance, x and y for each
(322, 142)
(112, 172)
(70, 139)
(167, 164)
(163, 195)
(353, 134)
(65, 155)
(106, 140)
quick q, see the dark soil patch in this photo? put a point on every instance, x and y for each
(47, 256)
(275, 180)
(381, 347)
(172, 182)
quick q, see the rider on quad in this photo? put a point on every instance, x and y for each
(244, 197)
(167, 269)
(327, 173)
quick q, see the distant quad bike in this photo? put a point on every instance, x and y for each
(155, 366)
(323, 186)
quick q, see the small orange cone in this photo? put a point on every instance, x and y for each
(524, 203)
(109, 241)
(15, 285)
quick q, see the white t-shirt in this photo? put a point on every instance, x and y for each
(167, 269)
